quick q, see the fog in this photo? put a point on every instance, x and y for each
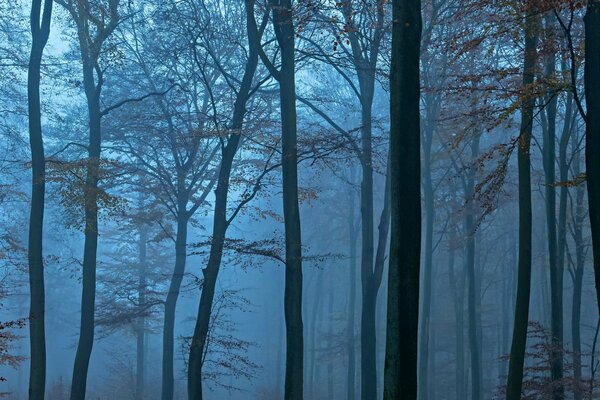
(212, 199)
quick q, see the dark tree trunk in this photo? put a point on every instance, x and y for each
(168, 378)
(592, 141)
(473, 291)
(283, 24)
(400, 377)
(90, 247)
(519, 340)
(40, 30)
(578, 221)
(556, 274)
(220, 220)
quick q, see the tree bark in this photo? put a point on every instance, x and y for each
(578, 223)
(592, 141)
(400, 377)
(556, 273)
(473, 292)
(351, 373)
(519, 340)
(90, 247)
(283, 24)
(168, 379)
(141, 320)
(40, 30)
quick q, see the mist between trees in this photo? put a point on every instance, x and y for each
(300, 199)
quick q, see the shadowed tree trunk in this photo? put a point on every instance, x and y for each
(400, 377)
(519, 339)
(592, 141)
(578, 269)
(549, 161)
(220, 219)
(40, 30)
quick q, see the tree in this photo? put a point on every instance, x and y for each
(519, 340)
(592, 137)
(94, 23)
(40, 30)
(400, 377)
(221, 221)
(285, 35)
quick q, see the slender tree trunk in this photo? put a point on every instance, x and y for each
(556, 274)
(90, 247)
(592, 141)
(427, 266)
(473, 292)
(220, 220)
(458, 295)
(519, 340)
(578, 221)
(400, 377)
(330, 342)
(40, 30)
(168, 378)
(351, 374)
(141, 320)
(283, 24)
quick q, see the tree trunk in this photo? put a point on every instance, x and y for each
(90, 247)
(458, 295)
(141, 320)
(519, 340)
(592, 141)
(283, 24)
(556, 274)
(400, 377)
(427, 266)
(40, 30)
(473, 292)
(351, 348)
(168, 379)
(220, 220)
(578, 221)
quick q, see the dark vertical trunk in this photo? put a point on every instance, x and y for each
(40, 30)
(519, 340)
(168, 379)
(578, 221)
(90, 247)
(141, 320)
(220, 219)
(592, 137)
(473, 292)
(400, 377)
(351, 348)
(283, 24)
(556, 274)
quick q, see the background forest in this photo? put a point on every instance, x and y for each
(213, 199)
